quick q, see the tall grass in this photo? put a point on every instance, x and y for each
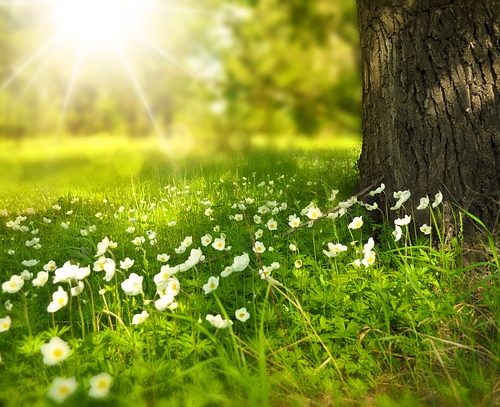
(418, 326)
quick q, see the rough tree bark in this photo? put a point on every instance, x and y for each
(431, 104)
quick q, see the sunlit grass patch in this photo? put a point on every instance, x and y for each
(232, 279)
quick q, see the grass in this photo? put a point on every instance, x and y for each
(418, 326)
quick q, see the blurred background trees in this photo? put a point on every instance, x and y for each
(242, 68)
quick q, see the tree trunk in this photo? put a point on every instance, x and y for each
(431, 104)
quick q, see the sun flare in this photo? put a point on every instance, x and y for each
(98, 24)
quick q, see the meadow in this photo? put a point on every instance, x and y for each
(139, 274)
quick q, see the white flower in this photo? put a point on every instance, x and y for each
(163, 258)
(238, 217)
(356, 263)
(61, 388)
(41, 279)
(206, 240)
(217, 321)
(257, 219)
(78, 289)
(240, 263)
(424, 203)
(211, 285)
(173, 286)
(164, 302)
(219, 244)
(426, 229)
(242, 314)
(5, 324)
(180, 250)
(29, 263)
(313, 213)
(356, 223)
(402, 197)
(438, 198)
(292, 247)
(100, 385)
(26, 275)
(188, 241)
(55, 351)
(132, 285)
(369, 258)
(263, 209)
(170, 287)
(259, 247)
(265, 272)
(195, 256)
(82, 273)
(297, 263)
(209, 212)
(334, 249)
(138, 319)
(14, 284)
(102, 247)
(333, 195)
(108, 265)
(368, 247)
(272, 224)
(227, 272)
(371, 207)
(259, 233)
(8, 305)
(126, 264)
(165, 273)
(293, 221)
(59, 300)
(138, 241)
(275, 265)
(47, 220)
(397, 233)
(50, 266)
(66, 273)
(65, 225)
(379, 190)
(152, 235)
(404, 221)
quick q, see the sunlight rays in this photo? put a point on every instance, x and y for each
(178, 9)
(25, 3)
(89, 27)
(25, 65)
(140, 92)
(71, 86)
(48, 58)
(160, 51)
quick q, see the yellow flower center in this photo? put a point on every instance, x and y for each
(64, 390)
(57, 353)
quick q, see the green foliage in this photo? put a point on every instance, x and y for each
(417, 327)
(229, 68)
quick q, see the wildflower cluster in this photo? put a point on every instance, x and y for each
(154, 268)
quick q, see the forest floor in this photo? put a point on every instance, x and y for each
(139, 274)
